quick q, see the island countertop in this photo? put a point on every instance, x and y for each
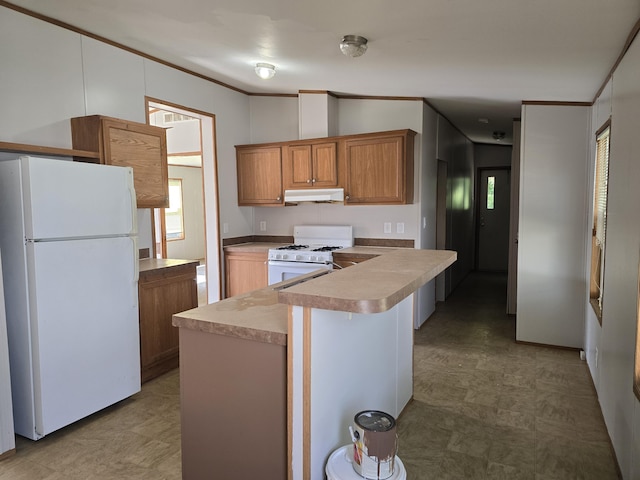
(369, 287)
(373, 286)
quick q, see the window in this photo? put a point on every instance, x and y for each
(491, 187)
(172, 117)
(598, 240)
(173, 215)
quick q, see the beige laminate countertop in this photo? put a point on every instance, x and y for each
(365, 250)
(253, 247)
(373, 286)
(369, 287)
(147, 264)
(253, 315)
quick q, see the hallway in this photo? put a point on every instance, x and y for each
(484, 407)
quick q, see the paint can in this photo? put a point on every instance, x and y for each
(375, 443)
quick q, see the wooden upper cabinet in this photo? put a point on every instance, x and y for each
(373, 168)
(378, 168)
(128, 144)
(259, 171)
(310, 165)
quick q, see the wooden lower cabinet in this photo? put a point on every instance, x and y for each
(245, 271)
(165, 287)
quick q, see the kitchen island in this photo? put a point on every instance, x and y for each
(271, 379)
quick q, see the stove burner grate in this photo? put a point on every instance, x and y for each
(293, 247)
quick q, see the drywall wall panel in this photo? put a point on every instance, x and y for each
(491, 155)
(619, 308)
(356, 116)
(107, 90)
(192, 246)
(231, 110)
(41, 82)
(273, 119)
(551, 268)
(427, 188)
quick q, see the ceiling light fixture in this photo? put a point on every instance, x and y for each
(498, 135)
(265, 70)
(353, 45)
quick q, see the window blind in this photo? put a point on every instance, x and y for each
(602, 181)
(600, 214)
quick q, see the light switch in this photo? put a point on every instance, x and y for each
(225, 228)
(399, 227)
(387, 227)
(263, 226)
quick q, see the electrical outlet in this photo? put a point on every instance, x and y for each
(263, 226)
(399, 227)
(387, 227)
(225, 228)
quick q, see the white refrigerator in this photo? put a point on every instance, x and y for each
(70, 268)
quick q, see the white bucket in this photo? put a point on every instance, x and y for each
(375, 444)
(339, 466)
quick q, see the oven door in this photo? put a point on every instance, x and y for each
(280, 271)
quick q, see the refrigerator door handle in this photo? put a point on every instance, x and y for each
(136, 261)
(134, 212)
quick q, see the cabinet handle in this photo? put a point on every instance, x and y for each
(313, 180)
(279, 198)
(308, 181)
(346, 197)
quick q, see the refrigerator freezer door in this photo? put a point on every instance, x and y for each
(84, 325)
(64, 199)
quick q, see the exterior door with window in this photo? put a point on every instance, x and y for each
(493, 220)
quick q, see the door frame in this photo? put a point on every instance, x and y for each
(209, 176)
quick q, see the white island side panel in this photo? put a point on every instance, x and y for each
(357, 362)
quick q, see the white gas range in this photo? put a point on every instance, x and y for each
(312, 250)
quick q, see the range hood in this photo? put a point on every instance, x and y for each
(314, 195)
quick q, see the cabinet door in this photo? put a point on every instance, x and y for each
(128, 144)
(296, 168)
(162, 293)
(259, 173)
(379, 169)
(324, 165)
(313, 165)
(245, 272)
(144, 148)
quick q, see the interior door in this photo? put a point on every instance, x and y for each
(493, 220)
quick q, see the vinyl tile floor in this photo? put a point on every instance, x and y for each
(484, 407)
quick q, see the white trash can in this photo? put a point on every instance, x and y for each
(339, 466)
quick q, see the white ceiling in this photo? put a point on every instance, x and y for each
(470, 59)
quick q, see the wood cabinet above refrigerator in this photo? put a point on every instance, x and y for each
(128, 144)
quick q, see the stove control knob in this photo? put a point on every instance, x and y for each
(298, 257)
(285, 256)
(313, 258)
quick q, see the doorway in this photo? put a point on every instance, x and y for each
(180, 231)
(492, 225)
